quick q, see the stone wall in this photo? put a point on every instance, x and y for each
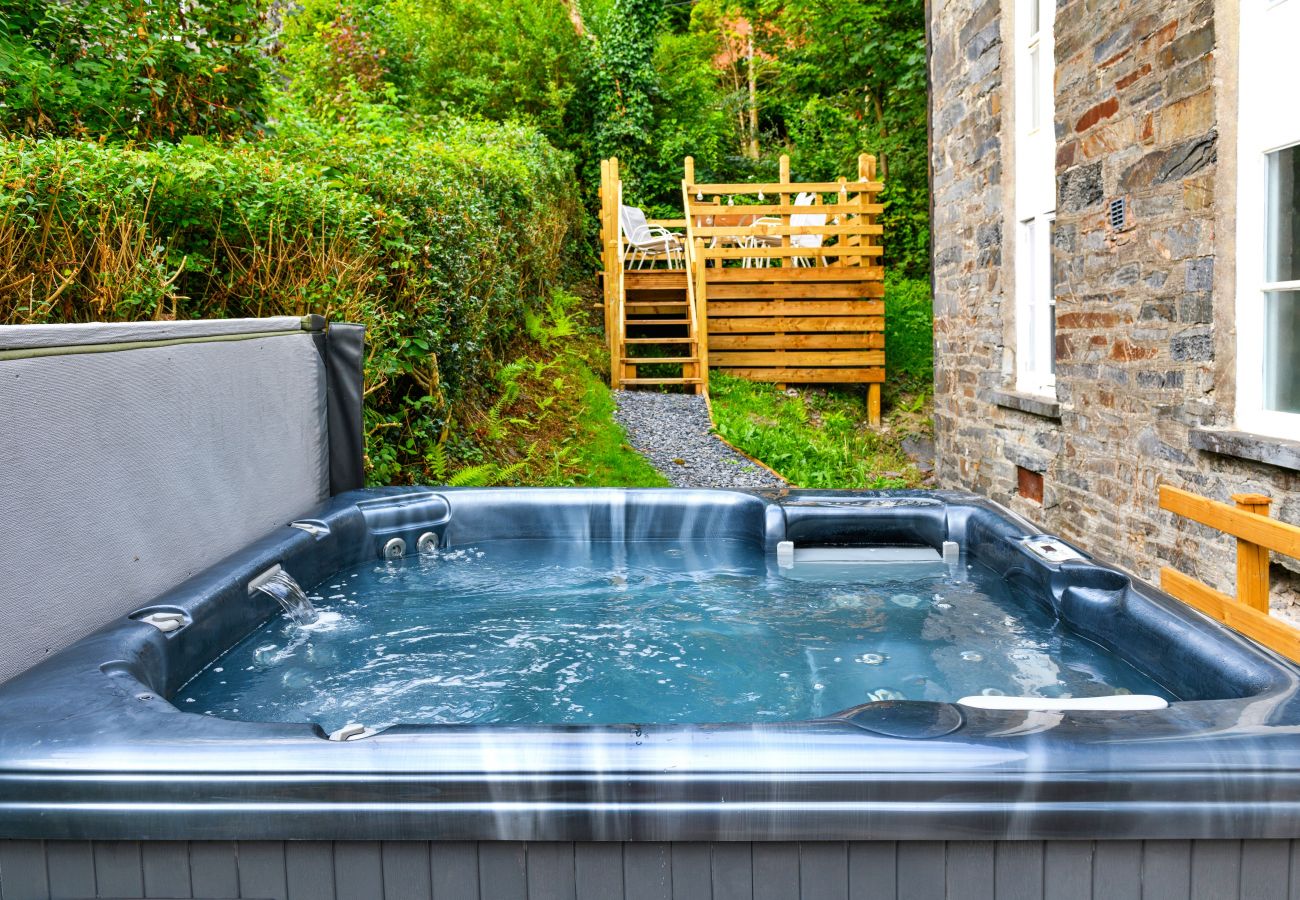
(1145, 100)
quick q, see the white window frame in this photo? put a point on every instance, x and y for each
(1035, 154)
(1265, 126)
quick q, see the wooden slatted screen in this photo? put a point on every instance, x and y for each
(792, 311)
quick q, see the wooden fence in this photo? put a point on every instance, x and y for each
(807, 310)
(1256, 535)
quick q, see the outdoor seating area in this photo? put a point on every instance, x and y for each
(777, 282)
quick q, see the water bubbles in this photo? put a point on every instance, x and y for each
(992, 692)
(673, 552)
(907, 601)
(881, 694)
(818, 686)
(784, 675)
(266, 654)
(839, 659)
(872, 659)
(943, 606)
(972, 656)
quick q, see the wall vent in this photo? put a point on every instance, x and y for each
(1117, 214)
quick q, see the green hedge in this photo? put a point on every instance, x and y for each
(436, 237)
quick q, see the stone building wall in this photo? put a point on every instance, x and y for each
(1145, 112)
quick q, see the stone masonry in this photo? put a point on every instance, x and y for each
(1145, 113)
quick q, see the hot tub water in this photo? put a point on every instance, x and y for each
(655, 632)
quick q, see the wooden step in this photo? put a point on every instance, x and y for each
(656, 321)
(632, 303)
(646, 360)
(659, 340)
(661, 381)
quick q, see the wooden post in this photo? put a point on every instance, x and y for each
(701, 315)
(1252, 559)
(785, 242)
(867, 172)
(688, 165)
(604, 252)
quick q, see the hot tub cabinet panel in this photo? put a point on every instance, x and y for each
(91, 749)
(512, 870)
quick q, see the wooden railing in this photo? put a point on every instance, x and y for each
(1257, 535)
(784, 313)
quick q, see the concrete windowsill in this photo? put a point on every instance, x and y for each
(1027, 403)
(1273, 451)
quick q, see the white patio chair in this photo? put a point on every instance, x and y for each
(649, 242)
(808, 241)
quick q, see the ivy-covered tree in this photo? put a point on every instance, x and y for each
(622, 83)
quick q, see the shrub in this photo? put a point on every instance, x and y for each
(122, 69)
(909, 330)
(434, 238)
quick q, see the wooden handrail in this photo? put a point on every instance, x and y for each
(763, 228)
(1256, 535)
(1240, 523)
(794, 187)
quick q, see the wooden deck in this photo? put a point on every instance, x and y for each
(782, 292)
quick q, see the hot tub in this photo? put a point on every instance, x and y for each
(692, 666)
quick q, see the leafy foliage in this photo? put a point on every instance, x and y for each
(438, 244)
(815, 439)
(124, 69)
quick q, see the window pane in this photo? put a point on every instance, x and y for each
(1051, 296)
(1282, 351)
(1283, 239)
(1030, 362)
(1034, 17)
(1035, 89)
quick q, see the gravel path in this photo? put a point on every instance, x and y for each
(672, 431)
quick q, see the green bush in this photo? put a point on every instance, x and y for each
(120, 69)
(909, 330)
(436, 238)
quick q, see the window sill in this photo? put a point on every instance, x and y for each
(1045, 407)
(1272, 451)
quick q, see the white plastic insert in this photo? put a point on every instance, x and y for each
(1113, 703)
(262, 579)
(1049, 548)
(787, 555)
(166, 622)
(353, 731)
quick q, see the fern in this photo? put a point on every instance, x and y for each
(436, 461)
(481, 475)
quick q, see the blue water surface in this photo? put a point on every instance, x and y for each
(654, 632)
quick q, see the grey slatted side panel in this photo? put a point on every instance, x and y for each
(309, 869)
(455, 869)
(22, 871)
(166, 866)
(733, 874)
(648, 871)
(970, 870)
(502, 872)
(498, 870)
(261, 870)
(598, 870)
(776, 869)
(921, 869)
(1216, 870)
(214, 870)
(1266, 870)
(551, 874)
(1166, 870)
(1018, 870)
(118, 869)
(873, 869)
(358, 870)
(824, 871)
(692, 872)
(1117, 870)
(406, 870)
(1067, 870)
(70, 866)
